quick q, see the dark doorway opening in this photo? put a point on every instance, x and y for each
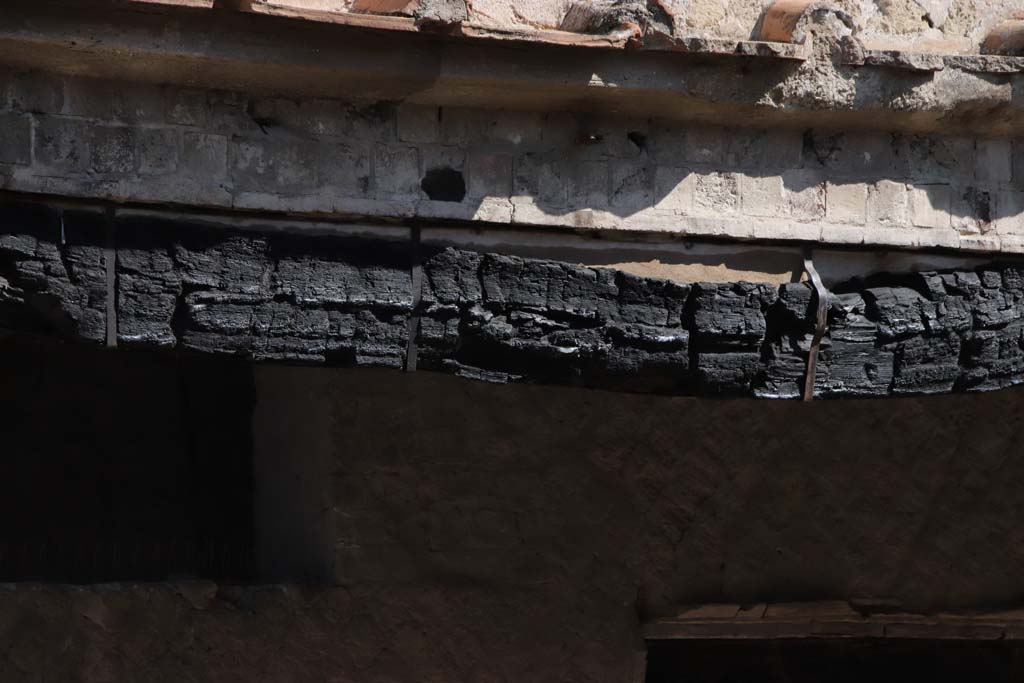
(123, 465)
(835, 660)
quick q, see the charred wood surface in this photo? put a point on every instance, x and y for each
(268, 295)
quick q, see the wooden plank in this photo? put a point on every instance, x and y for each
(831, 619)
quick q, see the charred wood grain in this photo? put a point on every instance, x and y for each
(339, 300)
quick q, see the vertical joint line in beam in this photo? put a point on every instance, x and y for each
(416, 273)
(110, 261)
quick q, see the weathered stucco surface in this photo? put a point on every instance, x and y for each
(486, 533)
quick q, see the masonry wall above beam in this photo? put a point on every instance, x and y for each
(278, 55)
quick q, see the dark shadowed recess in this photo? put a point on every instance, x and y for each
(444, 185)
(126, 465)
(833, 660)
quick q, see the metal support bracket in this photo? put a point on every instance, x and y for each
(820, 324)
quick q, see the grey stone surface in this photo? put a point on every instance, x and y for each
(15, 139)
(327, 156)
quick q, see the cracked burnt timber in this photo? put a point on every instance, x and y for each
(270, 295)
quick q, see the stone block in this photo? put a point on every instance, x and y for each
(930, 206)
(939, 158)
(1018, 164)
(396, 172)
(435, 156)
(763, 195)
(489, 175)
(418, 124)
(186, 107)
(37, 92)
(588, 185)
(15, 138)
(667, 143)
(6, 77)
(344, 169)
(994, 162)
(62, 145)
(513, 128)
(114, 101)
(204, 157)
(113, 150)
(543, 180)
(805, 194)
(861, 153)
(632, 186)
(315, 117)
(1009, 219)
(599, 138)
(758, 149)
(716, 193)
(780, 149)
(705, 145)
(463, 126)
(971, 209)
(887, 203)
(272, 164)
(846, 202)
(674, 188)
(157, 150)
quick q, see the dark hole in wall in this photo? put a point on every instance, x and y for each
(980, 203)
(123, 465)
(833, 660)
(638, 139)
(444, 185)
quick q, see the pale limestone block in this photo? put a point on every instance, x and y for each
(887, 203)
(805, 193)
(847, 203)
(716, 193)
(674, 189)
(930, 206)
(763, 195)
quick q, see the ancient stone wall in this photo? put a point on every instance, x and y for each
(951, 25)
(97, 139)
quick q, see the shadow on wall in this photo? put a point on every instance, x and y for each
(598, 498)
(588, 171)
(213, 148)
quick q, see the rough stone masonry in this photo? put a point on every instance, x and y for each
(97, 139)
(347, 301)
